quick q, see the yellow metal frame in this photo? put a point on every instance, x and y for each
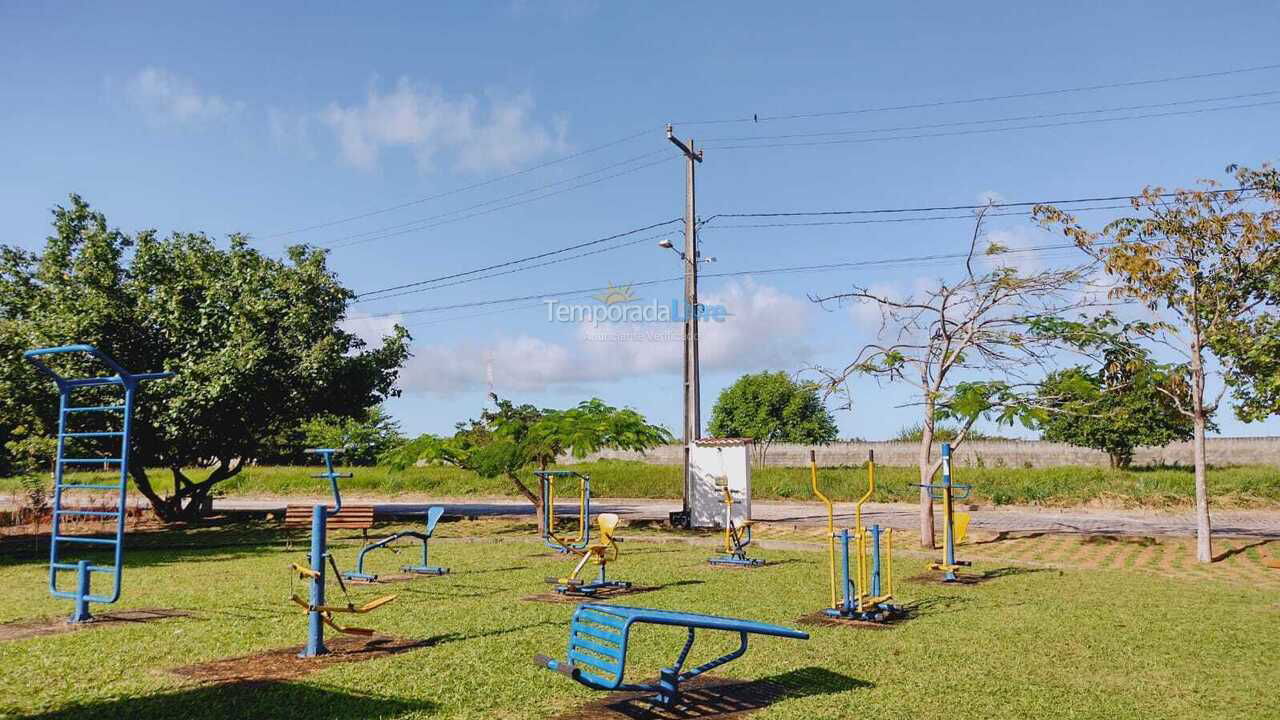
(550, 503)
(863, 536)
(603, 552)
(831, 527)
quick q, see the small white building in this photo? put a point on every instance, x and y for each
(713, 464)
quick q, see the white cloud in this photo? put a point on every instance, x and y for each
(370, 328)
(990, 196)
(165, 98)
(765, 329)
(291, 130)
(497, 134)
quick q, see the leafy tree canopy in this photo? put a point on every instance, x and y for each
(1124, 404)
(506, 440)
(255, 341)
(771, 407)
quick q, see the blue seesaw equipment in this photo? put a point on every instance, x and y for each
(425, 568)
(603, 552)
(547, 480)
(318, 613)
(127, 383)
(954, 525)
(867, 591)
(736, 539)
(597, 650)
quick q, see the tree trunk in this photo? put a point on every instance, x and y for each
(532, 498)
(1204, 540)
(926, 475)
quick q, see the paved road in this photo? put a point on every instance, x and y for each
(1242, 523)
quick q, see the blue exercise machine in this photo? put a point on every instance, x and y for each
(547, 480)
(597, 649)
(318, 613)
(425, 568)
(954, 525)
(128, 383)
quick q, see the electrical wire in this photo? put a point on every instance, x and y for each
(755, 118)
(465, 188)
(517, 261)
(544, 196)
(987, 131)
(737, 273)
(989, 121)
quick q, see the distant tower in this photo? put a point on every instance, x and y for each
(488, 373)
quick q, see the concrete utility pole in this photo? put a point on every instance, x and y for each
(692, 397)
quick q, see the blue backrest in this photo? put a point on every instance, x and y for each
(434, 514)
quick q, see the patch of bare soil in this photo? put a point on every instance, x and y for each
(700, 698)
(821, 619)
(607, 594)
(49, 626)
(284, 663)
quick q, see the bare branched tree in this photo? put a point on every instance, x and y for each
(967, 348)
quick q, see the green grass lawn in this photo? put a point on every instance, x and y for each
(1034, 644)
(1243, 486)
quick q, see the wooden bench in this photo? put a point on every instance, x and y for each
(352, 517)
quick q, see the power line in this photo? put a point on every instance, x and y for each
(943, 208)
(988, 121)
(967, 216)
(522, 193)
(736, 273)
(544, 196)
(988, 98)
(517, 261)
(985, 131)
(455, 191)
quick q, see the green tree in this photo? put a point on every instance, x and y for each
(1123, 404)
(771, 407)
(510, 438)
(1202, 262)
(256, 343)
(365, 438)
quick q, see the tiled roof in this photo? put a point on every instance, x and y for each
(721, 442)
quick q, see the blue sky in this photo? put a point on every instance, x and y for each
(269, 120)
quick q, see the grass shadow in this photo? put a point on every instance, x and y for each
(1139, 540)
(1242, 549)
(245, 700)
(707, 698)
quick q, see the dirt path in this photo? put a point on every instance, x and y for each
(1238, 523)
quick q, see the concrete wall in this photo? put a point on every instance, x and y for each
(1031, 453)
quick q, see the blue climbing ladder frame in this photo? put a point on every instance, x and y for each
(597, 650)
(60, 545)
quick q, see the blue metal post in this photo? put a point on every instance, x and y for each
(315, 625)
(848, 582)
(875, 560)
(81, 613)
(949, 547)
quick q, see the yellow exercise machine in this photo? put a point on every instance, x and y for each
(326, 611)
(547, 480)
(868, 591)
(736, 539)
(603, 551)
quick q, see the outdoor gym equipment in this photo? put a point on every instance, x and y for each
(602, 552)
(84, 568)
(426, 568)
(954, 525)
(547, 480)
(318, 613)
(736, 539)
(597, 649)
(867, 594)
